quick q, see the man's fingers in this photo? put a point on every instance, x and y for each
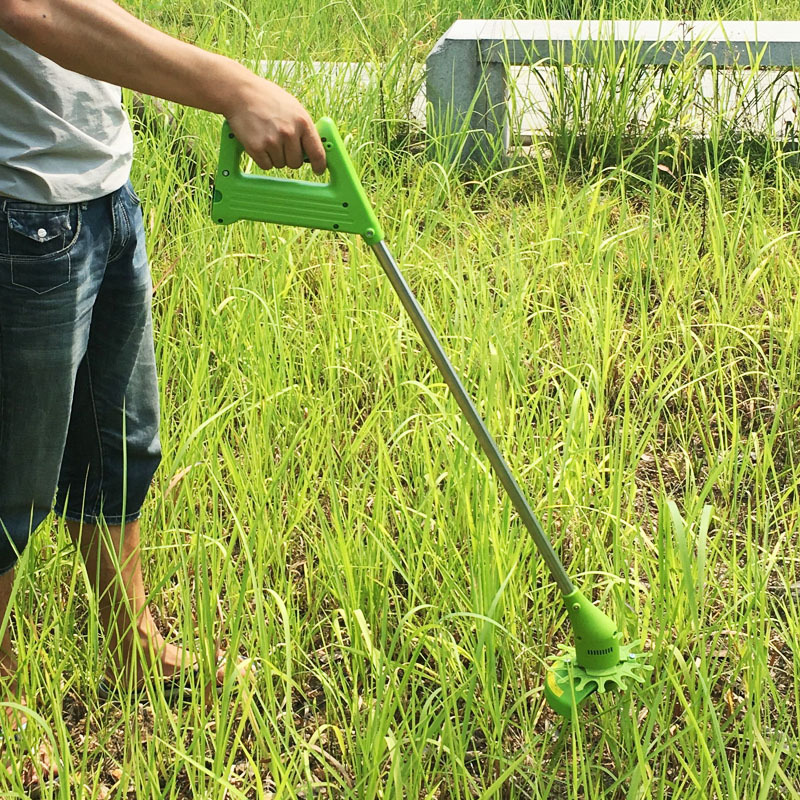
(294, 153)
(277, 149)
(263, 160)
(315, 152)
(277, 156)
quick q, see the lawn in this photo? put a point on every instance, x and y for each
(627, 323)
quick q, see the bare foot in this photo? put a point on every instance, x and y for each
(136, 647)
(20, 753)
(165, 658)
(9, 692)
(35, 770)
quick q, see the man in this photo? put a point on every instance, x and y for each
(76, 348)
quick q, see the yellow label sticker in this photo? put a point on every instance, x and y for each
(552, 685)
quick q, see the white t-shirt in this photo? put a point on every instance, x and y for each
(64, 138)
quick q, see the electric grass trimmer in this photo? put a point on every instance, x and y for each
(598, 661)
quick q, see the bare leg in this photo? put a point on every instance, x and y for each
(116, 575)
(8, 662)
(30, 766)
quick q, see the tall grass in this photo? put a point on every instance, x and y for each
(632, 342)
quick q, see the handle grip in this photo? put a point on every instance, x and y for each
(339, 205)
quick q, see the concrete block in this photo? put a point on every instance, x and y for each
(465, 72)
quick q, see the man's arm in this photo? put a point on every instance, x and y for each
(99, 39)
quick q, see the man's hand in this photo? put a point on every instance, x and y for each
(99, 39)
(274, 128)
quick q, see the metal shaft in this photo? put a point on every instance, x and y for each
(473, 418)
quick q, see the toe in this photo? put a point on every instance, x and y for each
(243, 669)
(37, 768)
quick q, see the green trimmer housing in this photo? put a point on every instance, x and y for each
(338, 205)
(598, 661)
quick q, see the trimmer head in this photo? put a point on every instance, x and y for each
(568, 684)
(597, 663)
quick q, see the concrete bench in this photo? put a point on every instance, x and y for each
(466, 80)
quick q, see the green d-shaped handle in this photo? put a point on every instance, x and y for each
(339, 205)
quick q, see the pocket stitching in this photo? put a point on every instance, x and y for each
(10, 259)
(15, 224)
(31, 260)
(49, 288)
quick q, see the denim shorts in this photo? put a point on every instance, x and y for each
(78, 389)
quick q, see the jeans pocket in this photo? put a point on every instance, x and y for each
(35, 242)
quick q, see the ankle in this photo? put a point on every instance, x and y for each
(8, 665)
(127, 626)
(143, 641)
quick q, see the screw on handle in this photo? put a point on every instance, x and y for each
(338, 205)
